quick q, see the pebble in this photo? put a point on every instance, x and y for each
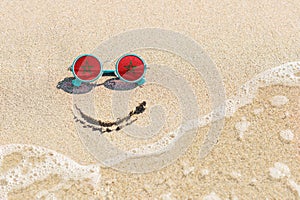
(258, 111)
(147, 188)
(204, 172)
(279, 170)
(242, 127)
(166, 196)
(187, 169)
(212, 196)
(170, 183)
(278, 101)
(287, 134)
(253, 181)
(235, 175)
(287, 114)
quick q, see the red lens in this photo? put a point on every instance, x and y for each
(87, 68)
(131, 68)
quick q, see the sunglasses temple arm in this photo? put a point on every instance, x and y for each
(76, 82)
(108, 72)
(141, 82)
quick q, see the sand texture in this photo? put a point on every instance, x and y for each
(257, 155)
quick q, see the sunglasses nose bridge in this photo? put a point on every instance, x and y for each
(108, 68)
(108, 72)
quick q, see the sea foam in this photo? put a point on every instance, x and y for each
(37, 163)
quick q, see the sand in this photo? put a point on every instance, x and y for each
(41, 39)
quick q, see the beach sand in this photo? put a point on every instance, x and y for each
(252, 160)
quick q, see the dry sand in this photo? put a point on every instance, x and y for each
(39, 40)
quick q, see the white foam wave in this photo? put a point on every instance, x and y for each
(37, 163)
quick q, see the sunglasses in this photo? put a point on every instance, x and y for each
(129, 68)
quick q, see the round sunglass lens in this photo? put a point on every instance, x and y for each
(87, 68)
(131, 68)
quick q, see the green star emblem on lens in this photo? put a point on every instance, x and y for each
(87, 68)
(130, 67)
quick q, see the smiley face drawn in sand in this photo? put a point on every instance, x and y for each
(167, 149)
